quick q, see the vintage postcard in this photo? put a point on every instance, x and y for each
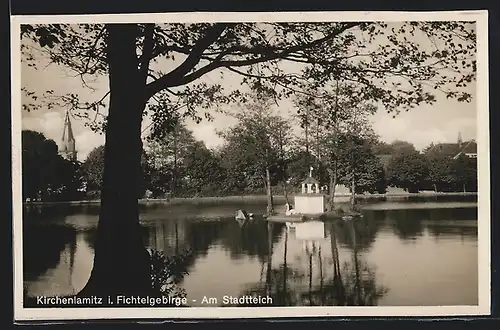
(250, 165)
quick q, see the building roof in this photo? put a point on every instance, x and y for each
(455, 149)
(311, 180)
(469, 147)
(68, 145)
(449, 149)
(68, 139)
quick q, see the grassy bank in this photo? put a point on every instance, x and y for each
(255, 199)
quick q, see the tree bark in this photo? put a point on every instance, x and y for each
(269, 193)
(121, 262)
(353, 191)
(333, 185)
(283, 167)
(285, 191)
(174, 172)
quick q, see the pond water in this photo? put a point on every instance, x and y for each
(402, 252)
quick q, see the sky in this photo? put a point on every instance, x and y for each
(440, 122)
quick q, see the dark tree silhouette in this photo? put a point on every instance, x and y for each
(46, 175)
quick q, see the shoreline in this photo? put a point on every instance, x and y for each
(251, 198)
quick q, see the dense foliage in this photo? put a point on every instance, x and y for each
(235, 168)
(46, 175)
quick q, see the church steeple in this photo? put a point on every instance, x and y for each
(68, 147)
(459, 142)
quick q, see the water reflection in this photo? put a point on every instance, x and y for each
(171, 236)
(365, 262)
(326, 281)
(38, 260)
(57, 259)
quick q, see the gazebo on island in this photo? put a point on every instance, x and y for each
(310, 186)
(310, 205)
(310, 201)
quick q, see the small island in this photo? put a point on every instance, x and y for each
(310, 204)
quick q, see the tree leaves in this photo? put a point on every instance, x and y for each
(257, 142)
(93, 168)
(46, 174)
(408, 169)
(400, 65)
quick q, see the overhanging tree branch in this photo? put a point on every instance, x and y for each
(190, 62)
(178, 76)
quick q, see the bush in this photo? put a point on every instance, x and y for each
(168, 271)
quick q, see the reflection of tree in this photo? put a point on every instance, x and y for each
(408, 223)
(365, 232)
(173, 236)
(198, 235)
(457, 198)
(38, 214)
(53, 238)
(277, 283)
(466, 213)
(249, 238)
(353, 284)
(89, 237)
(453, 230)
(360, 279)
(201, 235)
(184, 240)
(375, 216)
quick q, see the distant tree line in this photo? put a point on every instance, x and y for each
(260, 155)
(431, 169)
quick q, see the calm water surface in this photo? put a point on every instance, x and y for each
(403, 252)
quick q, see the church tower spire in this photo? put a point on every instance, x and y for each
(459, 140)
(68, 146)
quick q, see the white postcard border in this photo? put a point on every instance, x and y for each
(484, 220)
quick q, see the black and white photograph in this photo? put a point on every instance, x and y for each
(247, 165)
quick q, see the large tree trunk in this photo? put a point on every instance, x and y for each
(283, 168)
(285, 192)
(269, 193)
(333, 185)
(173, 188)
(121, 262)
(353, 190)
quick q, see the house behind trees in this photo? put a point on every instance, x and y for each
(454, 150)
